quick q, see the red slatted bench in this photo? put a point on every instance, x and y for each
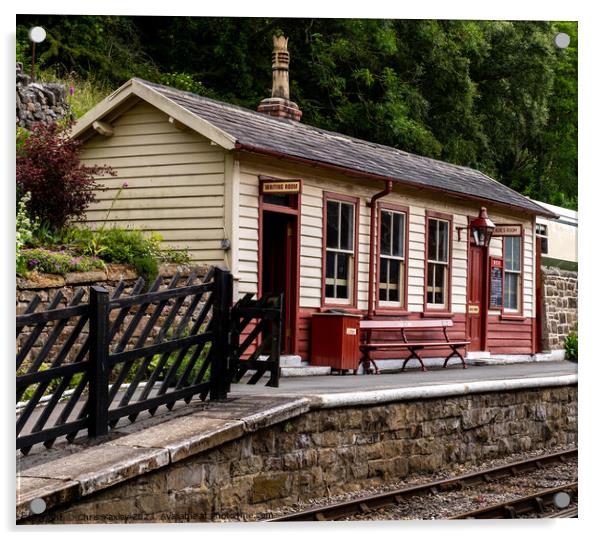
(368, 344)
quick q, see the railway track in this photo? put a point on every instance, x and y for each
(366, 505)
(540, 503)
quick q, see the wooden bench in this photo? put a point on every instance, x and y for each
(368, 344)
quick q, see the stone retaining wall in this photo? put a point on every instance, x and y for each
(560, 297)
(45, 102)
(331, 451)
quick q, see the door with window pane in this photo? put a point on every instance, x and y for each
(392, 258)
(340, 251)
(437, 263)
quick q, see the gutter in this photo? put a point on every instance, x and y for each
(371, 260)
(372, 176)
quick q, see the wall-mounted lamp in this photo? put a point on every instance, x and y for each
(481, 229)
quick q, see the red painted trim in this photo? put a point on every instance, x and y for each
(447, 217)
(295, 256)
(434, 313)
(404, 294)
(354, 172)
(504, 317)
(331, 196)
(516, 315)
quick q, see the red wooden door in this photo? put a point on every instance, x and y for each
(477, 305)
(279, 254)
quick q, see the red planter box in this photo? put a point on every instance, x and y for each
(335, 340)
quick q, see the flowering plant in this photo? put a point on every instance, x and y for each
(25, 229)
(59, 262)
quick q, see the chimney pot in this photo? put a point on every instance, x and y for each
(279, 105)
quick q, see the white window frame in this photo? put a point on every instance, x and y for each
(515, 272)
(350, 281)
(402, 259)
(435, 263)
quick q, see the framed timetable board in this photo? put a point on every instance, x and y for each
(496, 283)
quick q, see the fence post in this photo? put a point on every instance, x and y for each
(98, 400)
(220, 349)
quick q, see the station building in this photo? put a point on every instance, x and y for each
(291, 208)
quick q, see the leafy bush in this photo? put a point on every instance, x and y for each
(58, 262)
(48, 167)
(186, 82)
(571, 347)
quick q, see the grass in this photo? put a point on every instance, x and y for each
(86, 92)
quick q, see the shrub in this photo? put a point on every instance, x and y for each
(571, 347)
(24, 232)
(58, 262)
(48, 167)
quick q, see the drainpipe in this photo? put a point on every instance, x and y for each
(371, 265)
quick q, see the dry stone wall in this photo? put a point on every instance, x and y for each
(333, 451)
(560, 297)
(37, 102)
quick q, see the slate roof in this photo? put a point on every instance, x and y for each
(295, 139)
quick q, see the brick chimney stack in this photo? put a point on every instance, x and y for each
(279, 104)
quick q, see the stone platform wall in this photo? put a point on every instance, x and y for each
(331, 451)
(560, 297)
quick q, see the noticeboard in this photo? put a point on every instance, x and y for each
(496, 283)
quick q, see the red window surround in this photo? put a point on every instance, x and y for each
(446, 311)
(330, 196)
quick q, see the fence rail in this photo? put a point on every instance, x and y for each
(89, 365)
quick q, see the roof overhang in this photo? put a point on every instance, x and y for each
(114, 104)
(362, 174)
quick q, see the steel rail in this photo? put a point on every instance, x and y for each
(539, 503)
(370, 503)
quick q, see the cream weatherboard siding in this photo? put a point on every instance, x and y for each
(175, 182)
(314, 186)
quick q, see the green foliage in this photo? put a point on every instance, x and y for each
(83, 92)
(494, 95)
(186, 82)
(58, 262)
(571, 347)
(118, 245)
(25, 230)
(74, 381)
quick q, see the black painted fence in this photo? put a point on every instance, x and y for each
(86, 366)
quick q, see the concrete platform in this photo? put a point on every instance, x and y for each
(315, 387)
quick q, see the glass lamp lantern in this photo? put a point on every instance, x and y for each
(481, 228)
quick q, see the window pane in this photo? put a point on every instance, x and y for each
(507, 253)
(332, 224)
(511, 290)
(342, 266)
(347, 228)
(439, 284)
(394, 281)
(383, 285)
(330, 258)
(443, 241)
(385, 233)
(432, 240)
(398, 234)
(516, 253)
